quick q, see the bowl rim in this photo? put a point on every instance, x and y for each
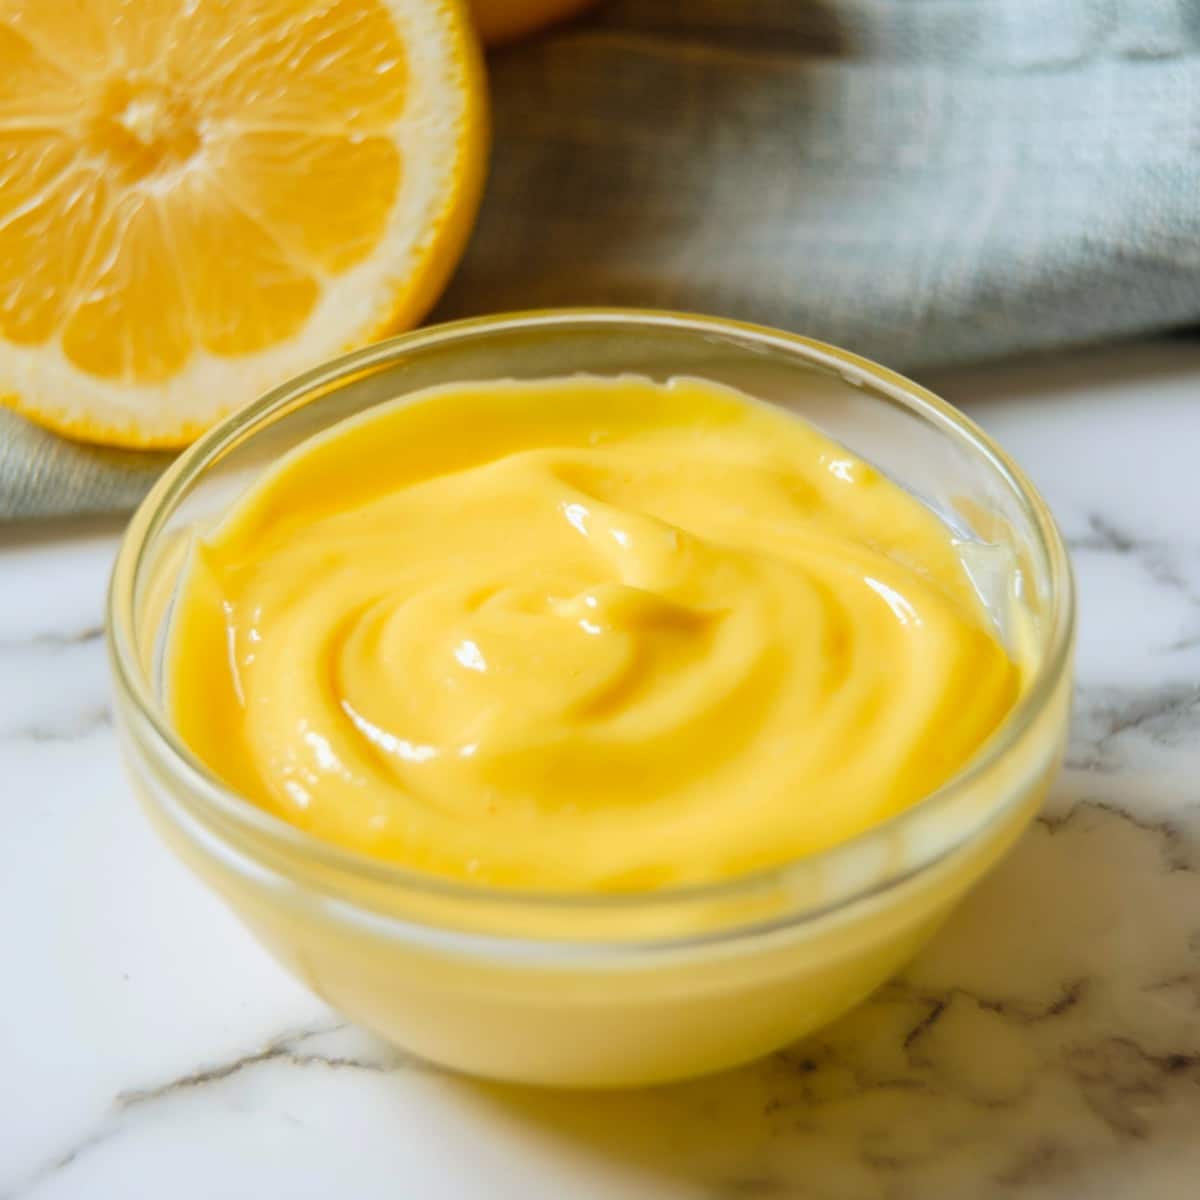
(203, 784)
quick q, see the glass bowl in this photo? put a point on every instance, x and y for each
(607, 990)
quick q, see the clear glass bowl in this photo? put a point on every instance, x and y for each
(586, 990)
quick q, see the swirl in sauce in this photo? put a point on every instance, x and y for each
(582, 634)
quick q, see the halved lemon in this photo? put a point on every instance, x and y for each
(199, 198)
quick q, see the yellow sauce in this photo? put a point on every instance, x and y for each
(585, 634)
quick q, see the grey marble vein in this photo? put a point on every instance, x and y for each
(63, 689)
(1160, 557)
(286, 1049)
(73, 727)
(1114, 729)
(53, 639)
(1178, 850)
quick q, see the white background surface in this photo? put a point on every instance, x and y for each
(1046, 1045)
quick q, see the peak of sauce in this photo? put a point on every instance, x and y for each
(582, 634)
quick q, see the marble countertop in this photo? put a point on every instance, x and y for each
(1046, 1045)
